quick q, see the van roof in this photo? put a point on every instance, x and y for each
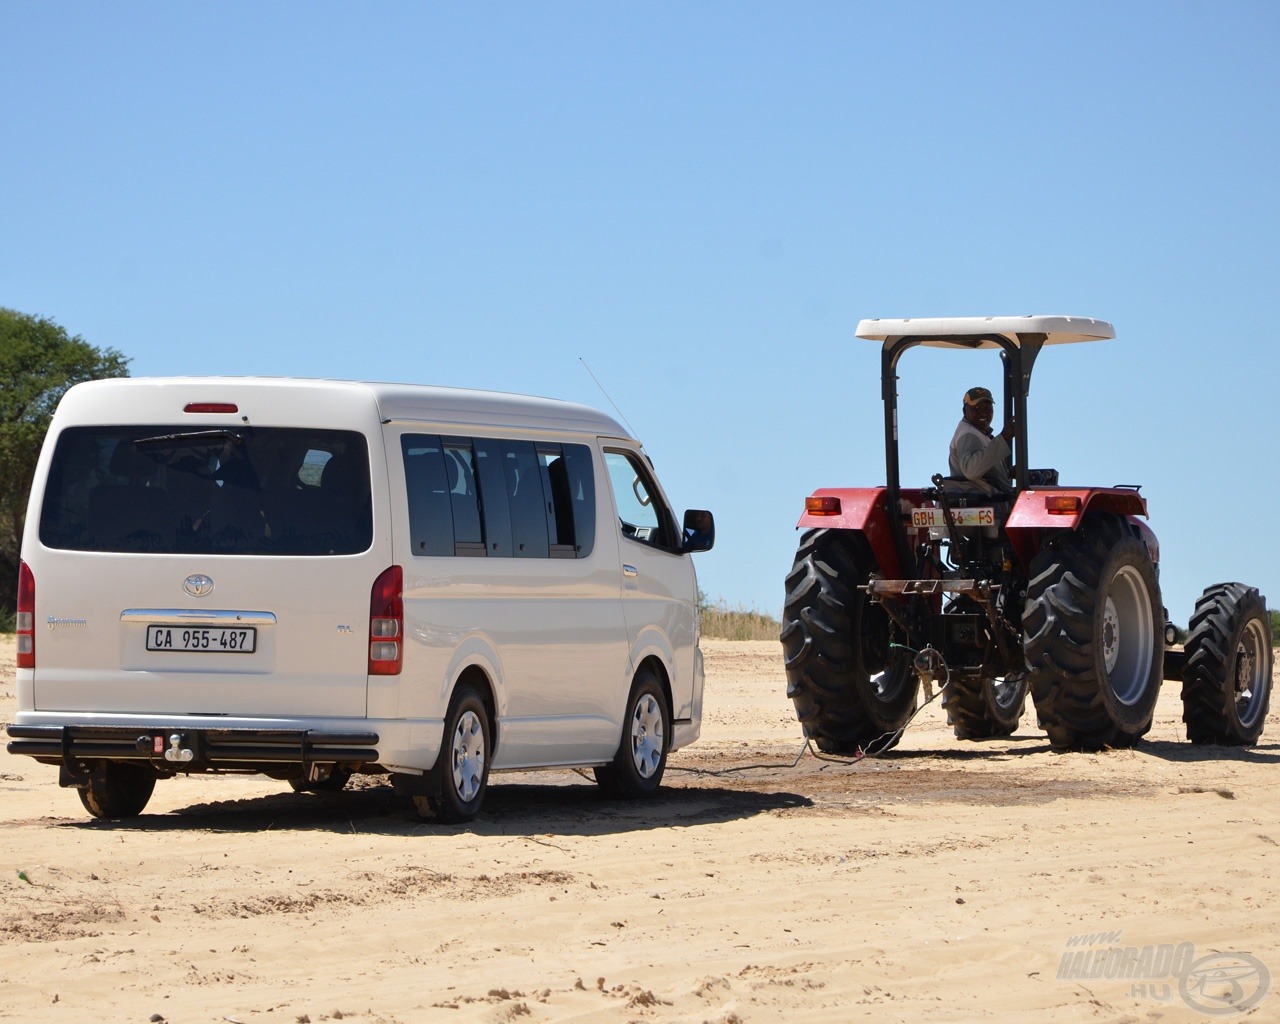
(163, 399)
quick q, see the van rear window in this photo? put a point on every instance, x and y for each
(209, 490)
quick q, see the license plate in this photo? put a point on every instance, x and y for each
(206, 639)
(929, 517)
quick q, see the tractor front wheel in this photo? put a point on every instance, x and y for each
(852, 688)
(1091, 636)
(985, 709)
(1226, 678)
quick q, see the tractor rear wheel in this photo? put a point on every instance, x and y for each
(851, 688)
(985, 709)
(1226, 678)
(1091, 636)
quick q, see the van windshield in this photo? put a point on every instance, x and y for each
(208, 490)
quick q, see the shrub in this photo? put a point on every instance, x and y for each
(720, 622)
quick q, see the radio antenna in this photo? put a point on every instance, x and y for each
(606, 395)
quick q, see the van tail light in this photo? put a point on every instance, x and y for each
(386, 623)
(25, 623)
(826, 505)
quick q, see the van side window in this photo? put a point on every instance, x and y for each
(641, 514)
(582, 497)
(527, 500)
(464, 495)
(555, 484)
(491, 461)
(500, 498)
(430, 503)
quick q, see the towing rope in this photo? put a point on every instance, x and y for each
(927, 663)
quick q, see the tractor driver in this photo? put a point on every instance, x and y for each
(977, 455)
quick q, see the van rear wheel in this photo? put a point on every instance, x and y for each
(457, 784)
(637, 767)
(117, 790)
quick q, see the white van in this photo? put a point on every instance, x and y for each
(311, 579)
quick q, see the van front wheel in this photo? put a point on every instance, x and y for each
(637, 767)
(458, 781)
(117, 790)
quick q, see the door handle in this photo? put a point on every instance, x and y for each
(629, 571)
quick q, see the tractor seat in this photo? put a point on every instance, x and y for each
(961, 487)
(964, 493)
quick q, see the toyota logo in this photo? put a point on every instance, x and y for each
(198, 585)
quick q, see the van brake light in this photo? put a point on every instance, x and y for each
(210, 407)
(25, 622)
(386, 623)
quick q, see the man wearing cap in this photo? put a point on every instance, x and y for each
(976, 454)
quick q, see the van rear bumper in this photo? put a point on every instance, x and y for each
(276, 746)
(172, 750)
(189, 749)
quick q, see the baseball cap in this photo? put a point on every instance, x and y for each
(975, 395)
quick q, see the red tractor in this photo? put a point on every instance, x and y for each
(1040, 587)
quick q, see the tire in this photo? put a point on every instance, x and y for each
(985, 709)
(335, 783)
(850, 687)
(641, 760)
(117, 789)
(1092, 631)
(457, 784)
(1226, 678)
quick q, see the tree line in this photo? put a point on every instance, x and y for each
(39, 361)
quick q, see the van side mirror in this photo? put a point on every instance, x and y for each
(699, 531)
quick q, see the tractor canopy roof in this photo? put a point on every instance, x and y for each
(976, 331)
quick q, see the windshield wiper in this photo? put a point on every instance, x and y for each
(193, 436)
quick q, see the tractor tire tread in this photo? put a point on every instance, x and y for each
(820, 648)
(1059, 642)
(1220, 616)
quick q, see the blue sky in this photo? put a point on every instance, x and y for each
(701, 200)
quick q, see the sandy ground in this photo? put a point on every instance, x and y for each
(945, 882)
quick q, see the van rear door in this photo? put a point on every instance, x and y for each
(205, 568)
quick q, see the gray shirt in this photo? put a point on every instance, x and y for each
(981, 458)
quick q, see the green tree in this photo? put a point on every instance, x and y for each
(39, 361)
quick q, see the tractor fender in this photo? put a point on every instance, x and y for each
(1148, 536)
(1064, 508)
(864, 509)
